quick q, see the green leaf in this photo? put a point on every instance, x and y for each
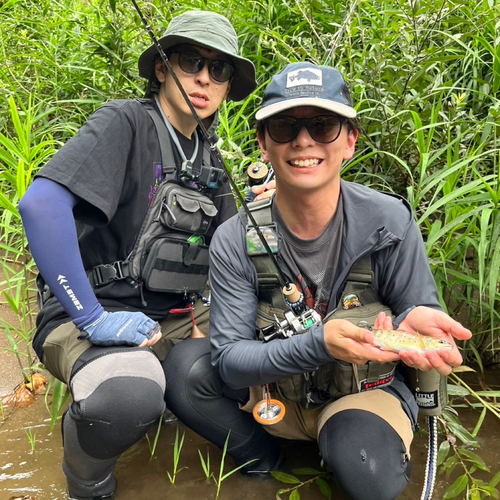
(474, 458)
(493, 492)
(457, 390)
(463, 434)
(474, 495)
(496, 479)
(295, 495)
(444, 449)
(285, 478)
(8, 4)
(449, 465)
(456, 488)
(324, 487)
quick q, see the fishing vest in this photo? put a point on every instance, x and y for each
(169, 254)
(359, 303)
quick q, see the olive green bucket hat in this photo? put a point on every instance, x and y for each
(210, 30)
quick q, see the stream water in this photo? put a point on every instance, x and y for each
(36, 474)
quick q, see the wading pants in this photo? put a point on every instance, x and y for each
(363, 452)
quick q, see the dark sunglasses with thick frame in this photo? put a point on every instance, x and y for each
(192, 62)
(323, 128)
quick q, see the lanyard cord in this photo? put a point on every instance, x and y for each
(175, 139)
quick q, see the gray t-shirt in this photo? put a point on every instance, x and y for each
(312, 262)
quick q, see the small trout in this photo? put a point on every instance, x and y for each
(399, 340)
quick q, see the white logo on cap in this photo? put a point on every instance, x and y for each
(307, 76)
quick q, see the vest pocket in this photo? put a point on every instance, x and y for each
(176, 265)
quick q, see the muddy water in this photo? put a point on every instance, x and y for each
(38, 473)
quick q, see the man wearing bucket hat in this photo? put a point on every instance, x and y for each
(329, 383)
(104, 327)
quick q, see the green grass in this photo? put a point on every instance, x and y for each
(425, 79)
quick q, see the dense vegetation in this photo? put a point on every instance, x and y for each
(425, 77)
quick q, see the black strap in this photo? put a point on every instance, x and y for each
(180, 267)
(167, 156)
(106, 273)
(168, 164)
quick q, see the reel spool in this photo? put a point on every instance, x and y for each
(257, 173)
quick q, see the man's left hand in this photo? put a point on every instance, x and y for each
(428, 321)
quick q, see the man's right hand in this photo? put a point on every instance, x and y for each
(352, 344)
(122, 328)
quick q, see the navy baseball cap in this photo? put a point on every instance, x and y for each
(305, 84)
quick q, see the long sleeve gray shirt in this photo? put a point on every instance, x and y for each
(374, 223)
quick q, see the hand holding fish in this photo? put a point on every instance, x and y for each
(347, 342)
(437, 324)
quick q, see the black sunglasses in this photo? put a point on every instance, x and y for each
(191, 62)
(323, 129)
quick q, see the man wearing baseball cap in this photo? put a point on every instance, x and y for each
(104, 328)
(357, 258)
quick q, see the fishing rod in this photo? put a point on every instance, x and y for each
(213, 147)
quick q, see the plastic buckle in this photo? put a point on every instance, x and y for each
(106, 273)
(120, 268)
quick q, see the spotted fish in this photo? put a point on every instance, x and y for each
(304, 75)
(399, 340)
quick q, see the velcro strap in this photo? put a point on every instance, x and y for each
(191, 254)
(179, 267)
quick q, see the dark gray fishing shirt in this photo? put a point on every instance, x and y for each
(374, 223)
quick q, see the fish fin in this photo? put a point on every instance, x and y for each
(422, 343)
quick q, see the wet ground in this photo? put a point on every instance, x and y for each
(33, 469)
(37, 472)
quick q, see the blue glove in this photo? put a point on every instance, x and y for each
(120, 328)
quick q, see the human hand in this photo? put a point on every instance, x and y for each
(347, 342)
(428, 321)
(122, 328)
(264, 190)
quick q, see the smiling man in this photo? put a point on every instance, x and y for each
(357, 257)
(112, 270)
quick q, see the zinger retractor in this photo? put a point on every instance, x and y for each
(269, 411)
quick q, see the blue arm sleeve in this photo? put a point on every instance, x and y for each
(47, 213)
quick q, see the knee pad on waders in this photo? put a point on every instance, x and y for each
(429, 390)
(365, 454)
(116, 399)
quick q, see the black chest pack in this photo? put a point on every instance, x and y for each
(359, 303)
(169, 254)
